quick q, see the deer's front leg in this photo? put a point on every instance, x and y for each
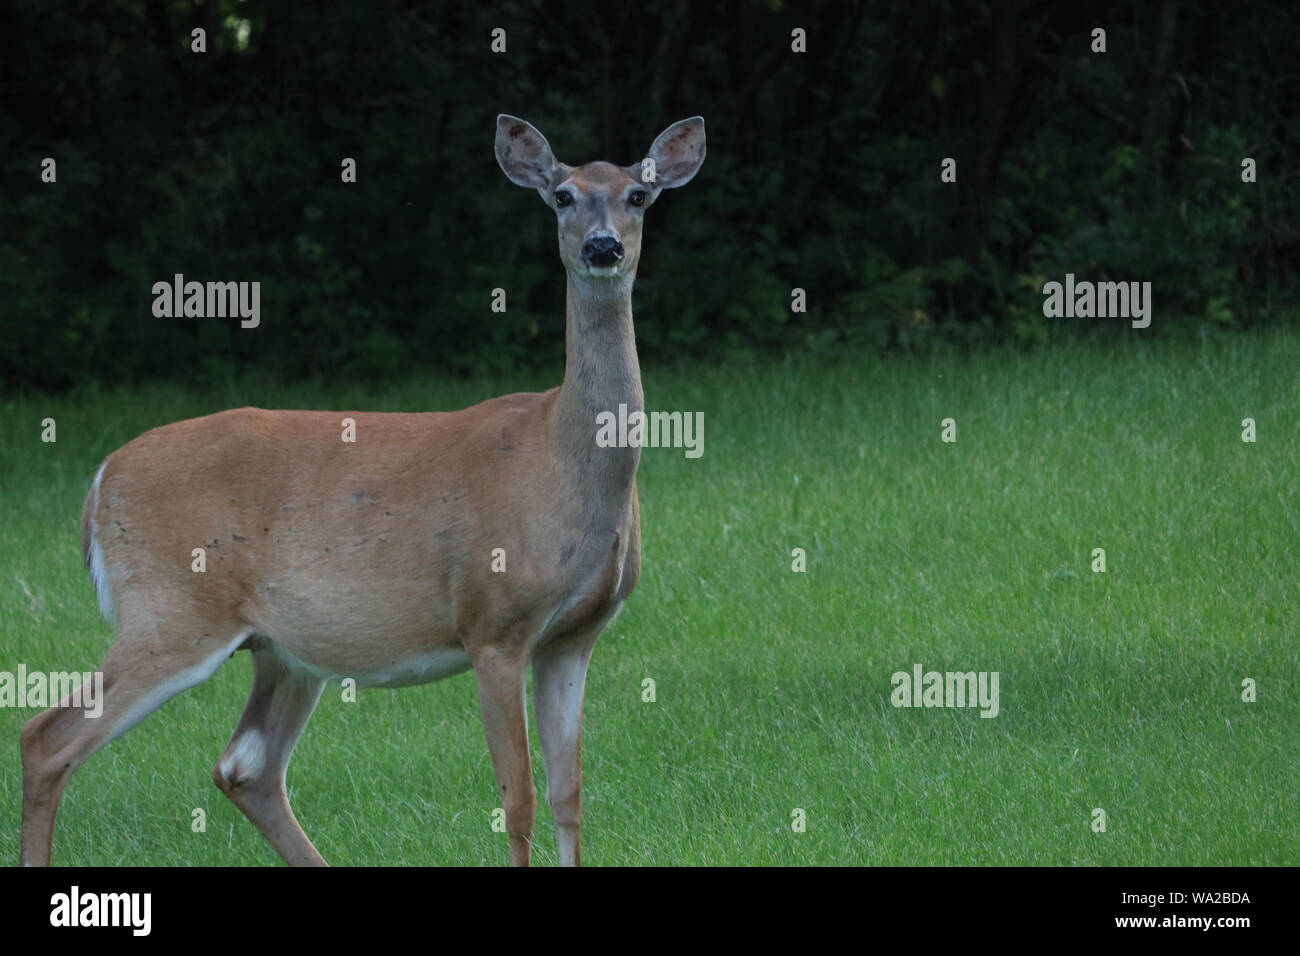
(500, 676)
(559, 679)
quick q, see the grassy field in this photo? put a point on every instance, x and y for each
(1119, 690)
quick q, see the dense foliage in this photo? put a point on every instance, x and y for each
(823, 174)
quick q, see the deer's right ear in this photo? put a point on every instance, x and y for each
(523, 154)
(678, 152)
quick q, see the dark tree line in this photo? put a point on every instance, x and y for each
(823, 174)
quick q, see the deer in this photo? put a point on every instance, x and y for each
(373, 559)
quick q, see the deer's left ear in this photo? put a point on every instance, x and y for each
(523, 154)
(678, 153)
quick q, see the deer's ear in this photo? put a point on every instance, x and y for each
(523, 154)
(678, 153)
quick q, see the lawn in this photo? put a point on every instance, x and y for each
(1120, 691)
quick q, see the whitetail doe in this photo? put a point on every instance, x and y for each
(372, 560)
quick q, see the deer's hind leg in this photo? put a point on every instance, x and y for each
(147, 666)
(252, 769)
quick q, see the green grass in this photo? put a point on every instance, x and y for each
(1119, 691)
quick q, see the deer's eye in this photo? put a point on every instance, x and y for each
(638, 198)
(563, 199)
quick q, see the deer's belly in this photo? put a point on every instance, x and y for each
(421, 669)
(393, 669)
(379, 633)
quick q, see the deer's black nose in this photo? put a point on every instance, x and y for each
(602, 251)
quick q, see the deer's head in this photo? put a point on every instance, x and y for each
(600, 206)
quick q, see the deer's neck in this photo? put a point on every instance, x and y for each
(601, 373)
